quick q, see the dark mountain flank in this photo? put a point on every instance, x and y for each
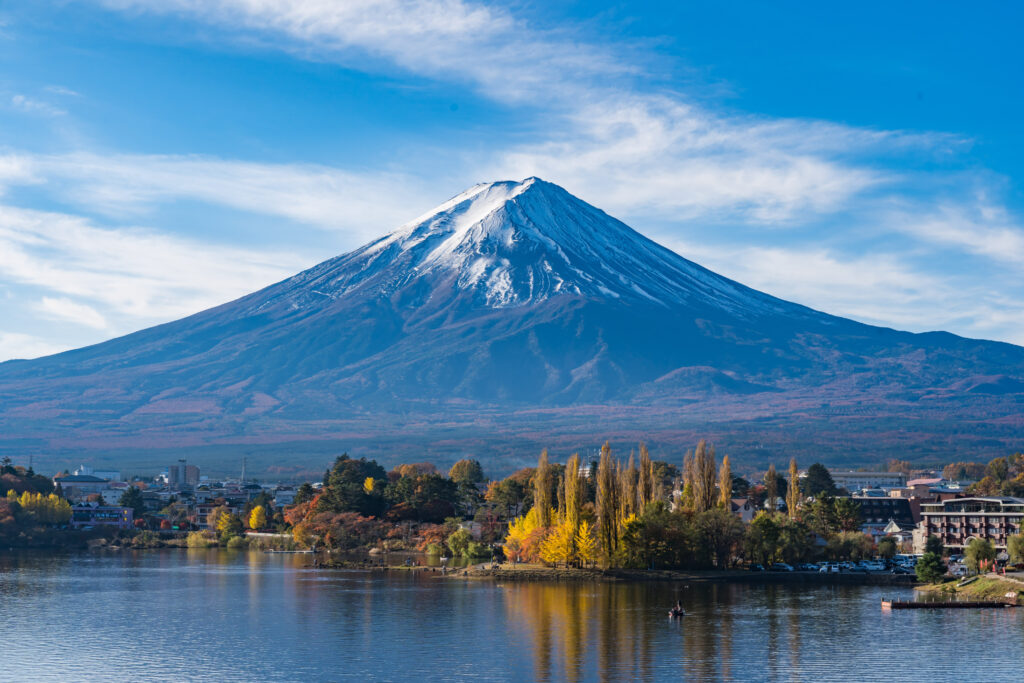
(513, 316)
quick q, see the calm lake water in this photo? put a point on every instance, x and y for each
(213, 615)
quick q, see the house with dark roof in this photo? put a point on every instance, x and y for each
(80, 486)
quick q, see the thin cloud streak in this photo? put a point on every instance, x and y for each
(133, 274)
(120, 185)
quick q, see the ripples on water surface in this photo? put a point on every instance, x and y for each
(214, 615)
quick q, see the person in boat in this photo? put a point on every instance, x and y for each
(677, 611)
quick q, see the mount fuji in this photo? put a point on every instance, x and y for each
(513, 316)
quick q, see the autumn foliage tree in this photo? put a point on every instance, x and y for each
(258, 518)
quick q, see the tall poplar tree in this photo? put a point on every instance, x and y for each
(645, 487)
(793, 489)
(704, 475)
(572, 487)
(542, 490)
(725, 485)
(607, 504)
(771, 488)
(688, 477)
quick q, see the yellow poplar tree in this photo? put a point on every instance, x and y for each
(558, 546)
(586, 543)
(258, 517)
(542, 490)
(725, 484)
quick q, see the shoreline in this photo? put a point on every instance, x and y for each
(983, 587)
(541, 574)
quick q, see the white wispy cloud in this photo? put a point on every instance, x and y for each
(981, 228)
(878, 288)
(608, 133)
(134, 274)
(30, 105)
(361, 204)
(62, 90)
(64, 309)
(20, 345)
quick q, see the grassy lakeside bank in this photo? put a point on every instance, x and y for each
(987, 587)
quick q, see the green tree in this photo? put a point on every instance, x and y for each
(304, 494)
(795, 541)
(979, 552)
(466, 471)
(458, 542)
(930, 568)
(762, 538)
(771, 488)
(933, 544)
(132, 498)
(508, 493)
(887, 547)
(819, 481)
(720, 535)
(847, 514)
(1015, 548)
(345, 487)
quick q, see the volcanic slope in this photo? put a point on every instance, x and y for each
(513, 308)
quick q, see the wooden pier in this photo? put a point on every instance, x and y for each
(953, 604)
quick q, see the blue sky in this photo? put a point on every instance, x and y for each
(158, 157)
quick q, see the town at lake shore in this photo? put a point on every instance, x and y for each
(614, 518)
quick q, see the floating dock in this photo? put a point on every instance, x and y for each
(955, 604)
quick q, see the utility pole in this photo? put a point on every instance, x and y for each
(243, 472)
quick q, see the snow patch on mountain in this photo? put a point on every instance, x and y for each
(508, 244)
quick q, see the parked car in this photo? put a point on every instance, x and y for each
(902, 570)
(756, 568)
(829, 569)
(873, 566)
(958, 570)
(782, 567)
(807, 567)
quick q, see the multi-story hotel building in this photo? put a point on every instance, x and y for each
(957, 520)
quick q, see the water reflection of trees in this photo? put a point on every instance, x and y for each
(620, 632)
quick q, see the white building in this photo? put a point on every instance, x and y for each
(855, 481)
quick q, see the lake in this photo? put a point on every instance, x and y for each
(173, 615)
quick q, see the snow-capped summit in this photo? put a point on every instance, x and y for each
(507, 244)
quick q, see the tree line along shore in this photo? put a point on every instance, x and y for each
(613, 513)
